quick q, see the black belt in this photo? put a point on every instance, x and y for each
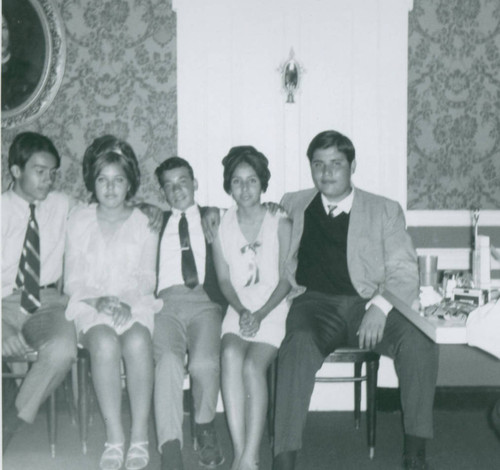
(49, 286)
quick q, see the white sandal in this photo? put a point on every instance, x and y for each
(137, 456)
(112, 457)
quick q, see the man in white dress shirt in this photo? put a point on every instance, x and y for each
(40, 326)
(190, 321)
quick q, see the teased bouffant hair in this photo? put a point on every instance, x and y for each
(109, 149)
(251, 156)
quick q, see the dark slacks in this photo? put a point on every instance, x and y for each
(317, 324)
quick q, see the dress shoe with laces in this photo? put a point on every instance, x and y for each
(207, 445)
(285, 460)
(495, 417)
(415, 462)
(10, 425)
(171, 455)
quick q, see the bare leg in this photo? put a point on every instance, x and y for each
(138, 355)
(233, 353)
(257, 360)
(105, 355)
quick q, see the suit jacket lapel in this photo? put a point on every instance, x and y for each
(357, 236)
(297, 206)
(354, 232)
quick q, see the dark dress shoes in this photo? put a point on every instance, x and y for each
(415, 462)
(285, 460)
(171, 455)
(10, 425)
(495, 417)
(207, 445)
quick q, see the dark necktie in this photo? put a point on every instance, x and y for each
(331, 208)
(189, 273)
(28, 275)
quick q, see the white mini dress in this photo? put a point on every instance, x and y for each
(254, 274)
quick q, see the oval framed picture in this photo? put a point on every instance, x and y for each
(33, 58)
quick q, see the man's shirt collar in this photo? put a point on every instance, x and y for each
(190, 211)
(19, 201)
(345, 205)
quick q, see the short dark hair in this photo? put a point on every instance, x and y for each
(251, 156)
(327, 139)
(105, 150)
(26, 144)
(172, 163)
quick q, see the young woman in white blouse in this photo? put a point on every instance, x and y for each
(110, 278)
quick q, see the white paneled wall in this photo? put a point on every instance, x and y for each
(354, 55)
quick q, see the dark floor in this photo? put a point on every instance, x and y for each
(463, 440)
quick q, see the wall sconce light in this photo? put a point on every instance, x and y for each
(291, 74)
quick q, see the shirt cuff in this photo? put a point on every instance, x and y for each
(381, 303)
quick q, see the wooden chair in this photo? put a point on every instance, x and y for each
(29, 359)
(343, 355)
(86, 396)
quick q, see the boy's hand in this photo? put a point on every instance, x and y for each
(14, 345)
(249, 324)
(273, 208)
(107, 304)
(153, 213)
(210, 223)
(121, 314)
(372, 327)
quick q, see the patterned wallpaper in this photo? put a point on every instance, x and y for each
(120, 78)
(454, 105)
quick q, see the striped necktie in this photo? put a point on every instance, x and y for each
(28, 275)
(188, 264)
(331, 209)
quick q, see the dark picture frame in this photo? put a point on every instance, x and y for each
(33, 65)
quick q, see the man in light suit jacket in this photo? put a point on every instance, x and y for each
(348, 246)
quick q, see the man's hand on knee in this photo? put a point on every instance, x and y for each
(372, 327)
(14, 345)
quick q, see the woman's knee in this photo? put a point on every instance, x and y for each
(230, 353)
(254, 368)
(103, 343)
(138, 340)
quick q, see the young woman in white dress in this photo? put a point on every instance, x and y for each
(250, 252)
(110, 277)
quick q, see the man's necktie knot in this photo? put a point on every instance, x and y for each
(331, 209)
